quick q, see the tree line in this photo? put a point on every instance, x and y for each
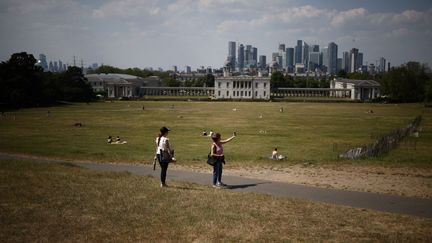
(25, 84)
(411, 82)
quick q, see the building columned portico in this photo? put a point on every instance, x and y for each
(360, 89)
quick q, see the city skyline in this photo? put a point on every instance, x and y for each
(132, 33)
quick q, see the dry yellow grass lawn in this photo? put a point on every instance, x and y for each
(57, 203)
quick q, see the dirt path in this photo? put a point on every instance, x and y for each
(412, 182)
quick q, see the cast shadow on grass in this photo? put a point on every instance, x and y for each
(233, 187)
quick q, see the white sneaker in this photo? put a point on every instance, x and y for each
(223, 184)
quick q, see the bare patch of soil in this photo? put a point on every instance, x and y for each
(411, 182)
(397, 181)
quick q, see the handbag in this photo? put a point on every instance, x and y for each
(211, 160)
(165, 156)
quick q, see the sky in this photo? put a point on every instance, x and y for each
(156, 33)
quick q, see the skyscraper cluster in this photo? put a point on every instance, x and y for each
(245, 57)
(302, 58)
(306, 58)
(352, 61)
(59, 66)
(52, 66)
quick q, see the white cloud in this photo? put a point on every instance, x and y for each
(407, 17)
(398, 33)
(347, 17)
(232, 26)
(127, 9)
(298, 14)
(22, 7)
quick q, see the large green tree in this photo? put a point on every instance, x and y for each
(409, 82)
(74, 86)
(278, 80)
(21, 81)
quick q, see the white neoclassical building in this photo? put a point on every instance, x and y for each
(121, 85)
(360, 89)
(242, 87)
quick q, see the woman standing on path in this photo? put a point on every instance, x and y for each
(164, 153)
(218, 153)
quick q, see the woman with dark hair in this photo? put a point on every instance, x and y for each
(164, 153)
(218, 153)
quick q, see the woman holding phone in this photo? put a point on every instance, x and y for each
(218, 153)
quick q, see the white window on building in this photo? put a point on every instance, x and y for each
(249, 93)
(256, 93)
(227, 93)
(228, 85)
(219, 84)
(218, 92)
(265, 86)
(241, 93)
(265, 94)
(256, 85)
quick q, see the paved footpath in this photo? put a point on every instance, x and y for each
(382, 202)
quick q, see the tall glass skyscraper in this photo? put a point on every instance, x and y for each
(290, 57)
(232, 54)
(299, 52)
(262, 62)
(346, 61)
(360, 60)
(241, 59)
(324, 53)
(254, 56)
(43, 62)
(248, 55)
(354, 60)
(382, 65)
(332, 58)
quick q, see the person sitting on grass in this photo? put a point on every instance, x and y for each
(118, 141)
(276, 155)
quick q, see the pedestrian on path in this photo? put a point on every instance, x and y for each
(164, 154)
(218, 153)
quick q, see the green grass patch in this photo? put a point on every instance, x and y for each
(304, 132)
(58, 203)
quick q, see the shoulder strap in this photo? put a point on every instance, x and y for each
(214, 148)
(159, 138)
